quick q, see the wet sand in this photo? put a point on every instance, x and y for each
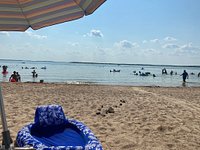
(122, 117)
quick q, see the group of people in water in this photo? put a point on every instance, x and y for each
(164, 71)
(15, 76)
(115, 70)
(184, 75)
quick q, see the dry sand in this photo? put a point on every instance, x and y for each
(122, 117)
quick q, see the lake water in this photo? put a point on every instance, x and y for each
(64, 72)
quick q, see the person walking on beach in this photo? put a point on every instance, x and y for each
(185, 75)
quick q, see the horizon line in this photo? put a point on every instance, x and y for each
(111, 63)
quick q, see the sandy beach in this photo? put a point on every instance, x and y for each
(122, 117)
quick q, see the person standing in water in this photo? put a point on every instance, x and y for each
(35, 75)
(13, 77)
(185, 75)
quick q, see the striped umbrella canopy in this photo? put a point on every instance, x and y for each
(19, 15)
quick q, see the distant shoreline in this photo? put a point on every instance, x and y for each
(106, 63)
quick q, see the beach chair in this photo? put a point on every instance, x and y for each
(51, 130)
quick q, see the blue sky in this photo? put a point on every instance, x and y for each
(128, 31)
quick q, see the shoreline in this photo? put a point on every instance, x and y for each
(184, 85)
(142, 117)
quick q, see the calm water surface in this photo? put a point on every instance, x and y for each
(100, 73)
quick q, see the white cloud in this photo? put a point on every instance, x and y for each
(155, 41)
(36, 36)
(171, 46)
(126, 44)
(144, 41)
(169, 39)
(150, 51)
(4, 33)
(74, 44)
(188, 49)
(184, 49)
(95, 33)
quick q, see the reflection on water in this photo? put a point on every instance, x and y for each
(184, 84)
(4, 78)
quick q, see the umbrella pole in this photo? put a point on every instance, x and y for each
(6, 133)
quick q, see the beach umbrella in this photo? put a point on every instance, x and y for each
(19, 15)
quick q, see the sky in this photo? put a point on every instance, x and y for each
(120, 31)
